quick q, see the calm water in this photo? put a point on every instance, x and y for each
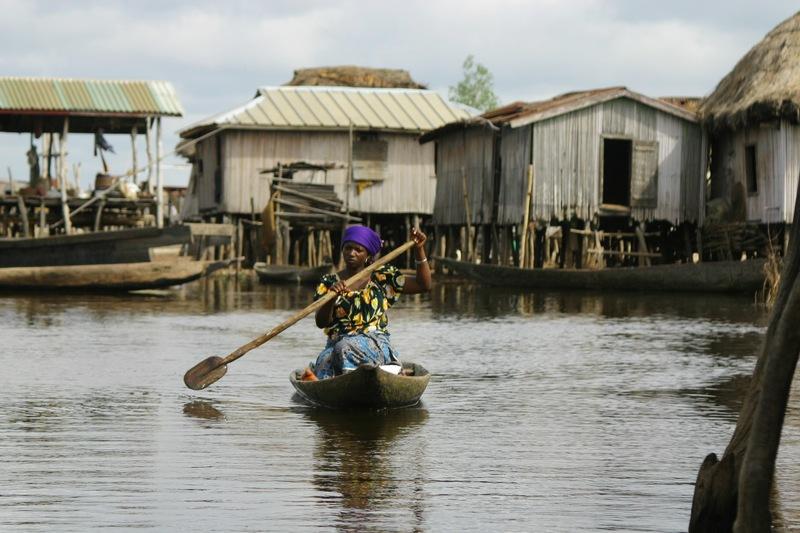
(547, 412)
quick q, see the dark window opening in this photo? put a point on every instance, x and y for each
(617, 155)
(751, 176)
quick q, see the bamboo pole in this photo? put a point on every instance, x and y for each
(523, 246)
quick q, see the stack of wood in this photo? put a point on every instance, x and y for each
(298, 220)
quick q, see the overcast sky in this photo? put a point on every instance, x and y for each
(217, 53)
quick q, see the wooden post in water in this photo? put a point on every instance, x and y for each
(62, 175)
(134, 161)
(159, 179)
(147, 142)
(523, 242)
(23, 216)
(42, 218)
(467, 217)
(47, 147)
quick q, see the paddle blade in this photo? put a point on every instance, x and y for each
(205, 373)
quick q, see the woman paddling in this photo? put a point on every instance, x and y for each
(355, 321)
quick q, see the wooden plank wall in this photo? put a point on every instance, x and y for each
(473, 151)
(566, 160)
(776, 170)
(409, 185)
(515, 156)
(792, 173)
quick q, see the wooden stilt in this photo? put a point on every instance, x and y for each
(98, 216)
(23, 216)
(62, 175)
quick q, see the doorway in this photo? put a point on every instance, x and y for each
(617, 156)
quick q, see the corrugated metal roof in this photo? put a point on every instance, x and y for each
(322, 108)
(154, 98)
(518, 114)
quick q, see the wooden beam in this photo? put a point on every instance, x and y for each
(333, 214)
(133, 153)
(523, 245)
(306, 196)
(467, 215)
(62, 175)
(159, 178)
(23, 215)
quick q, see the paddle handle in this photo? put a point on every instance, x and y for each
(255, 343)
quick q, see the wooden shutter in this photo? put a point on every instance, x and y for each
(370, 159)
(644, 175)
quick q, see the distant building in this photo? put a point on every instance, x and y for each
(753, 123)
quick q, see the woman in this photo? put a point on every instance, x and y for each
(355, 321)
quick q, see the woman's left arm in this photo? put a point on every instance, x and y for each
(421, 282)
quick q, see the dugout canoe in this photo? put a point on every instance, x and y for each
(365, 387)
(290, 273)
(111, 277)
(718, 276)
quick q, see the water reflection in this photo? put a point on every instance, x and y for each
(203, 410)
(448, 298)
(363, 471)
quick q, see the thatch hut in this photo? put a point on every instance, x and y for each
(753, 121)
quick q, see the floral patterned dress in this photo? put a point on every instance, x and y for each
(358, 333)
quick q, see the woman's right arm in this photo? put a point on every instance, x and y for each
(324, 315)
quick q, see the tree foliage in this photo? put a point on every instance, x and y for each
(477, 88)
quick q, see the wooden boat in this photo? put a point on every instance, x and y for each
(367, 386)
(117, 277)
(722, 276)
(100, 247)
(290, 273)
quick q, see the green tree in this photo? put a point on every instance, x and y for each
(476, 89)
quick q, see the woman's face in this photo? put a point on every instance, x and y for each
(355, 255)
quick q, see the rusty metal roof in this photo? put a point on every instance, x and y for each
(87, 97)
(335, 108)
(518, 114)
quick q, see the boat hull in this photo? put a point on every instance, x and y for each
(723, 276)
(100, 247)
(365, 387)
(117, 277)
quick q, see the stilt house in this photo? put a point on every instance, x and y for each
(360, 141)
(753, 124)
(599, 153)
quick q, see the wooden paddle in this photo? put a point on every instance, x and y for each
(213, 368)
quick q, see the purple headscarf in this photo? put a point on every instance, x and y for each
(365, 237)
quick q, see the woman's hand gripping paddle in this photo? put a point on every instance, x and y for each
(213, 368)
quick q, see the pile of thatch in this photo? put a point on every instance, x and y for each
(764, 85)
(352, 76)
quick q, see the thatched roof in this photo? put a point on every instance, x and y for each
(764, 85)
(352, 76)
